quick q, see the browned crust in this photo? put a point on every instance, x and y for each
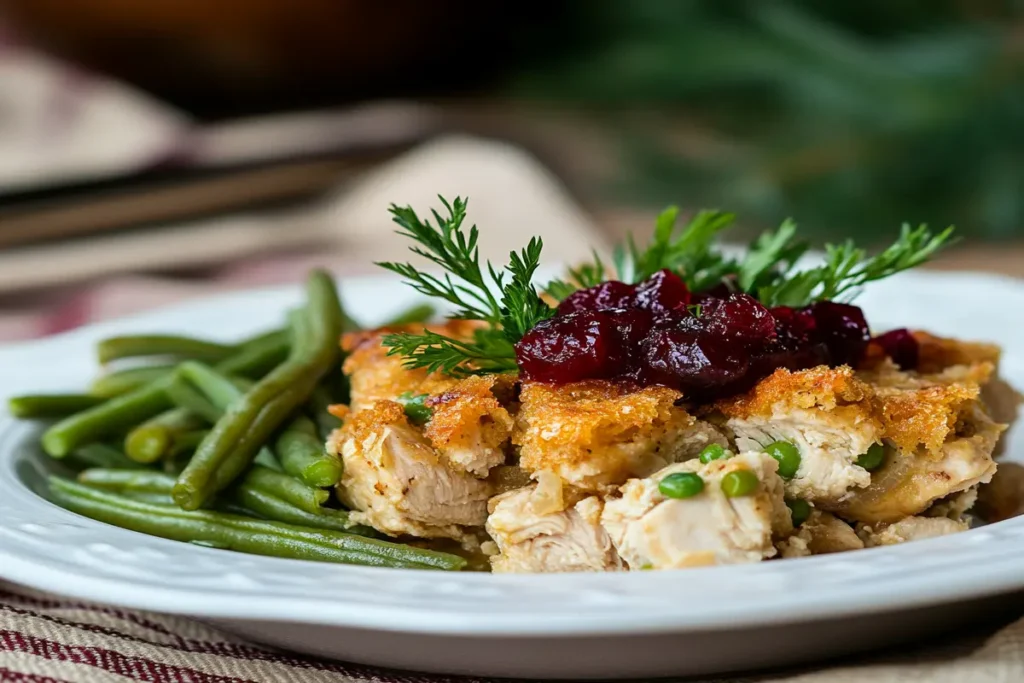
(464, 407)
(820, 387)
(914, 410)
(927, 416)
(938, 353)
(574, 425)
(369, 422)
(374, 375)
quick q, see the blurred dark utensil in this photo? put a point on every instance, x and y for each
(168, 195)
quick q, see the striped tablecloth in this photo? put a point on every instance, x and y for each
(46, 639)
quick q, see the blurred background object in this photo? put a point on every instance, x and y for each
(194, 138)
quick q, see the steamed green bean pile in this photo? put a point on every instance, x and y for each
(221, 445)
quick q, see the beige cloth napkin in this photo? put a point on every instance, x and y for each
(511, 196)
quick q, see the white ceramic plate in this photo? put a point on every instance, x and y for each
(640, 624)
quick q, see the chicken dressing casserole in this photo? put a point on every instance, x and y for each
(674, 407)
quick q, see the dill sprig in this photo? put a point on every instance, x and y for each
(505, 300)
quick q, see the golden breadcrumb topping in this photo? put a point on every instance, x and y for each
(821, 387)
(938, 353)
(599, 433)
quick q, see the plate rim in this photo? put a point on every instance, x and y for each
(606, 616)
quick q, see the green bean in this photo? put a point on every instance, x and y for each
(319, 402)
(161, 499)
(258, 356)
(217, 388)
(39, 406)
(286, 487)
(155, 439)
(253, 359)
(101, 455)
(414, 314)
(266, 458)
(219, 392)
(185, 396)
(187, 442)
(116, 348)
(302, 454)
(273, 508)
(243, 534)
(121, 480)
(249, 422)
(116, 414)
(122, 381)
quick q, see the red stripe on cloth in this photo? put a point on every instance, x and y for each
(136, 618)
(181, 644)
(12, 676)
(75, 311)
(109, 660)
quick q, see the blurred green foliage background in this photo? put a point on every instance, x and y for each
(852, 115)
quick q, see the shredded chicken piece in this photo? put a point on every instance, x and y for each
(909, 482)
(397, 483)
(821, 534)
(532, 538)
(825, 412)
(595, 435)
(908, 529)
(651, 531)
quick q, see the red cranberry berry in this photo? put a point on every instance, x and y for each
(843, 330)
(611, 294)
(794, 326)
(663, 294)
(691, 361)
(720, 291)
(583, 345)
(901, 346)
(740, 318)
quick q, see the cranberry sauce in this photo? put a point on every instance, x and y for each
(649, 333)
(901, 346)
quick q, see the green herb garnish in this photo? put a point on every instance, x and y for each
(847, 268)
(504, 299)
(509, 305)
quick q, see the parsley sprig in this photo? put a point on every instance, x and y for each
(505, 300)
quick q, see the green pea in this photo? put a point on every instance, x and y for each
(873, 459)
(713, 452)
(787, 456)
(739, 483)
(799, 510)
(681, 485)
(415, 407)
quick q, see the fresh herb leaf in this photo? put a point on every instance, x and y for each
(687, 251)
(581, 277)
(847, 269)
(773, 253)
(471, 287)
(416, 408)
